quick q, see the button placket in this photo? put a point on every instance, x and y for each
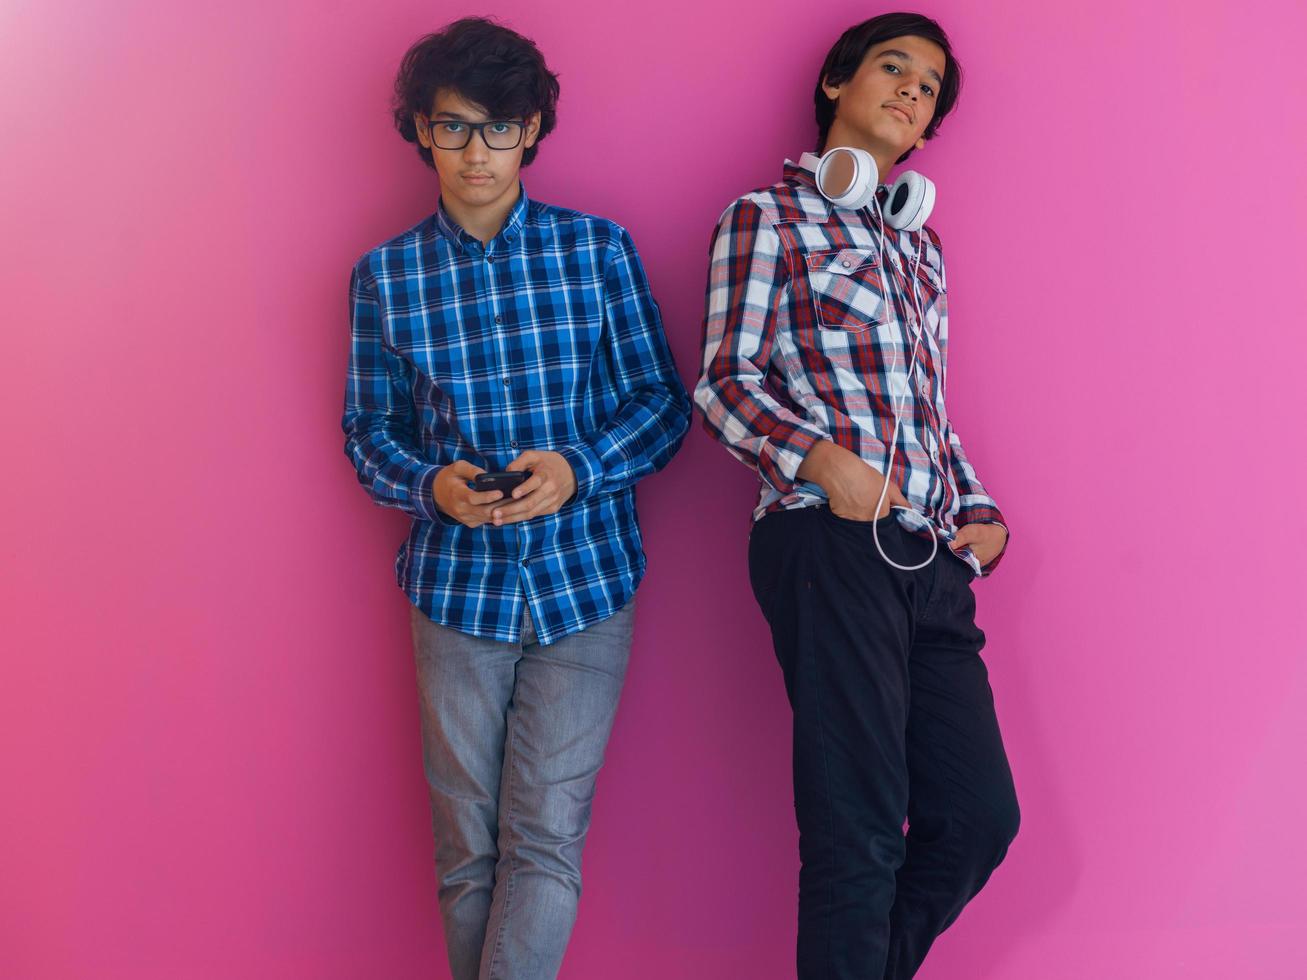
(501, 351)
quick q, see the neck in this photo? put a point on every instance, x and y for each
(841, 135)
(483, 223)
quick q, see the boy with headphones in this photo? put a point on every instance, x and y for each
(509, 383)
(824, 364)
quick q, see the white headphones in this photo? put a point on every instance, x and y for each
(847, 177)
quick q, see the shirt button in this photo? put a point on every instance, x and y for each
(513, 443)
(846, 263)
(925, 388)
(499, 319)
(507, 382)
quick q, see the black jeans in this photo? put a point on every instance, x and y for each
(893, 719)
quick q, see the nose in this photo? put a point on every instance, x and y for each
(909, 91)
(477, 149)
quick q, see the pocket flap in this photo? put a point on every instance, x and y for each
(931, 276)
(845, 262)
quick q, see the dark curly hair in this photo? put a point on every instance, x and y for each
(487, 64)
(844, 59)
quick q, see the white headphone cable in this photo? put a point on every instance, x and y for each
(907, 390)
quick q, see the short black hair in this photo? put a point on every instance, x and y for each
(846, 56)
(487, 64)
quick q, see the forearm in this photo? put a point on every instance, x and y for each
(378, 418)
(820, 466)
(746, 309)
(756, 429)
(388, 467)
(640, 439)
(975, 504)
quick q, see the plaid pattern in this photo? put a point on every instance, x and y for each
(807, 336)
(547, 338)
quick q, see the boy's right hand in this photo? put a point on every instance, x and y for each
(455, 498)
(852, 486)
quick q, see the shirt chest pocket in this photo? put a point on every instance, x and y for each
(848, 289)
(930, 283)
(929, 295)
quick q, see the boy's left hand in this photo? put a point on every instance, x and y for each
(550, 485)
(985, 541)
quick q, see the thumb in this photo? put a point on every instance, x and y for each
(525, 461)
(463, 468)
(965, 536)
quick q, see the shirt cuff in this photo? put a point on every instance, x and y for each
(586, 467)
(424, 497)
(787, 446)
(997, 518)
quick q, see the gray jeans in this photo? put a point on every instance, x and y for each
(513, 735)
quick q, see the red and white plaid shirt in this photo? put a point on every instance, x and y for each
(807, 336)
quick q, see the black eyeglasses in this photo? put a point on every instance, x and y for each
(454, 134)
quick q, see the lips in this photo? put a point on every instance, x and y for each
(898, 108)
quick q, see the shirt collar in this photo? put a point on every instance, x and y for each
(509, 233)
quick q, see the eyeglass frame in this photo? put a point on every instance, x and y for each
(476, 129)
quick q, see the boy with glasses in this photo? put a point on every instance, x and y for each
(518, 342)
(824, 342)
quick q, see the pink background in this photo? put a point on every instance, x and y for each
(208, 721)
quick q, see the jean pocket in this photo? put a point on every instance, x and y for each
(880, 523)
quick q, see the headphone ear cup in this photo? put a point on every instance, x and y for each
(861, 187)
(910, 202)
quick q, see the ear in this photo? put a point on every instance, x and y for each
(420, 121)
(921, 144)
(532, 130)
(832, 91)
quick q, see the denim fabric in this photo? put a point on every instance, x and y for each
(513, 737)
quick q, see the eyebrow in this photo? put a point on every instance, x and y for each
(902, 56)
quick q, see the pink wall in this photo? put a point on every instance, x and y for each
(208, 728)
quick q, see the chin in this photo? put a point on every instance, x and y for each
(472, 196)
(891, 137)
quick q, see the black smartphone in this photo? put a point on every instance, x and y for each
(504, 482)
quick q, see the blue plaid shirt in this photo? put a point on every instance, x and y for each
(548, 338)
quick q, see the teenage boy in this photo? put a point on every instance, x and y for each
(814, 332)
(502, 334)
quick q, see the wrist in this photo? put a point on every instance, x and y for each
(587, 469)
(428, 502)
(816, 462)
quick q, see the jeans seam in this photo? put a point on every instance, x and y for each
(825, 762)
(936, 587)
(512, 854)
(947, 845)
(932, 751)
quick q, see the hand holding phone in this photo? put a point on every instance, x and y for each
(552, 484)
(454, 496)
